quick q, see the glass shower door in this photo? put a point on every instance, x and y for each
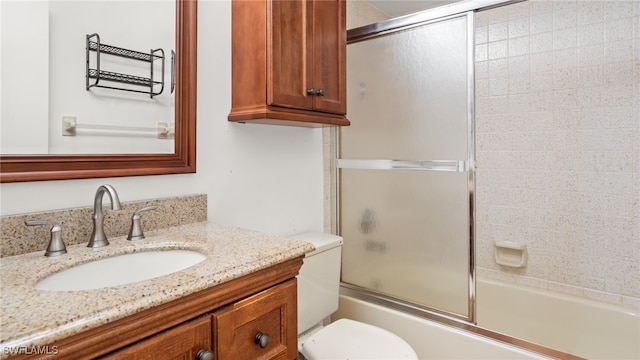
(405, 180)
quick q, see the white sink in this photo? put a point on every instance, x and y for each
(120, 270)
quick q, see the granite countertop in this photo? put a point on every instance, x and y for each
(30, 317)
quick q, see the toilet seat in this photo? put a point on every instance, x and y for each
(348, 339)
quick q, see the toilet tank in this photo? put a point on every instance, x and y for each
(319, 279)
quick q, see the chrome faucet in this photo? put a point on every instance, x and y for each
(98, 238)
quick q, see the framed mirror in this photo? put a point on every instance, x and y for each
(17, 168)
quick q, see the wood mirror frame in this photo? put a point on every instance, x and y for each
(16, 168)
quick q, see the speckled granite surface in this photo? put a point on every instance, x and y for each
(17, 238)
(33, 317)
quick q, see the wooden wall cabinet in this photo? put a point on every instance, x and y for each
(289, 62)
(219, 323)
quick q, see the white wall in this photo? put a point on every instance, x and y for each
(43, 76)
(24, 77)
(267, 178)
(133, 25)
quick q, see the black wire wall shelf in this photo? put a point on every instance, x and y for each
(99, 75)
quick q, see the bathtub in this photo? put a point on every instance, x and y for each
(430, 340)
(582, 327)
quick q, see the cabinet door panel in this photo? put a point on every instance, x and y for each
(272, 312)
(330, 44)
(182, 342)
(290, 61)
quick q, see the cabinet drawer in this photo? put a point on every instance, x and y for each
(182, 342)
(262, 326)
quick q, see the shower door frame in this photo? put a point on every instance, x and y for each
(386, 27)
(392, 26)
(463, 8)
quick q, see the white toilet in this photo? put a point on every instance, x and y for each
(318, 290)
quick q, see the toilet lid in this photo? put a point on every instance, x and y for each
(348, 339)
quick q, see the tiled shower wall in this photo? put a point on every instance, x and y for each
(558, 145)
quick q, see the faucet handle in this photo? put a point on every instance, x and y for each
(136, 233)
(56, 245)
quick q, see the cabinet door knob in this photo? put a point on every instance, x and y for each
(205, 354)
(320, 92)
(262, 339)
(311, 91)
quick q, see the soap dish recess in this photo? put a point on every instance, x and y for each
(511, 254)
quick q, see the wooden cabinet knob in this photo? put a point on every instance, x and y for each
(205, 354)
(320, 92)
(262, 339)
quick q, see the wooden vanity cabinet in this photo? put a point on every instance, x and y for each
(260, 327)
(224, 319)
(289, 62)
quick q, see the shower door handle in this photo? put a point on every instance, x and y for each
(424, 165)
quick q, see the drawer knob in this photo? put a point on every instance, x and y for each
(320, 92)
(311, 91)
(262, 339)
(204, 354)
